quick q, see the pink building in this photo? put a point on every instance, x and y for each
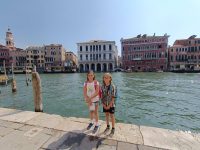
(145, 53)
(11, 54)
(185, 54)
(4, 55)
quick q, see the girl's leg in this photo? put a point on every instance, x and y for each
(96, 114)
(112, 116)
(107, 122)
(91, 113)
(107, 118)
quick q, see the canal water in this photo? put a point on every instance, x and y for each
(166, 100)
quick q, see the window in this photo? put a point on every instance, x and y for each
(104, 56)
(86, 57)
(90, 56)
(90, 48)
(80, 57)
(171, 58)
(110, 47)
(110, 56)
(99, 47)
(93, 47)
(86, 48)
(81, 48)
(104, 47)
(192, 49)
(96, 47)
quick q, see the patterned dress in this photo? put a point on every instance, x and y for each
(108, 92)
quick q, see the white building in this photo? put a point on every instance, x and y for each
(97, 55)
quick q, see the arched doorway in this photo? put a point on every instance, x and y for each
(86, 67)
(81, 68)
(99, 67)
(93, 67)
(104, 67)
(110, 67)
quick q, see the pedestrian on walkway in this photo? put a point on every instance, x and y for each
(91, 95)
(108, 101)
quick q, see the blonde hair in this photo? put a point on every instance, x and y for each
(91, 71)
(109, 75)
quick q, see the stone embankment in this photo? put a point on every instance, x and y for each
(26, 130)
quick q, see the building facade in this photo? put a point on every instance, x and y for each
(35, 57)
(97, 55)
(71, 61)
(185, 54)
(145, 53)
(4, 56)
(12, 55)
(54, 57)
(18, 59)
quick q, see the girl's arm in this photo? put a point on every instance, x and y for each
(85, 93)
(111, 103)
(104, 106)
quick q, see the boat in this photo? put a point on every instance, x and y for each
(4, 79)
(128, 70)
(159, 71)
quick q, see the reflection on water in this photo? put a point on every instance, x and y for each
(165, 100)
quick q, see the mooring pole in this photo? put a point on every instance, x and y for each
(37, 94)
(14, 83)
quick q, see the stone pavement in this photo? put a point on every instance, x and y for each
(26, 130)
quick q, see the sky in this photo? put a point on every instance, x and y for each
(67, 22)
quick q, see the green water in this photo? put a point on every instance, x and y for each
(165, 100)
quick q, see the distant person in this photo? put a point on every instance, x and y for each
(91, 95)
(108, 101)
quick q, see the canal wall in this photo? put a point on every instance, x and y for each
(35, 130)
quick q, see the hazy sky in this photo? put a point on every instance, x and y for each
(67, 22)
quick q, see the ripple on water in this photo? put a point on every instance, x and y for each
(166, 100)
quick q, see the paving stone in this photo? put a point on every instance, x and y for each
(71, 126)
(127, 133)
(168, 139)
(144, 147)
(126, 146)
(19, 116)
(18, 141)
(109, 142)
(44, 130)
(70, 140)
(106, 147)
(7, 111)
(12, 125)
(4, 131)
(46, 120)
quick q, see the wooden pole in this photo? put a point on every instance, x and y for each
(4, 66)
(14, 84)
(36, 83)
(26, 71)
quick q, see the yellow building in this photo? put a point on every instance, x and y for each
(54, 57)
(35, 56)
(71, 59)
